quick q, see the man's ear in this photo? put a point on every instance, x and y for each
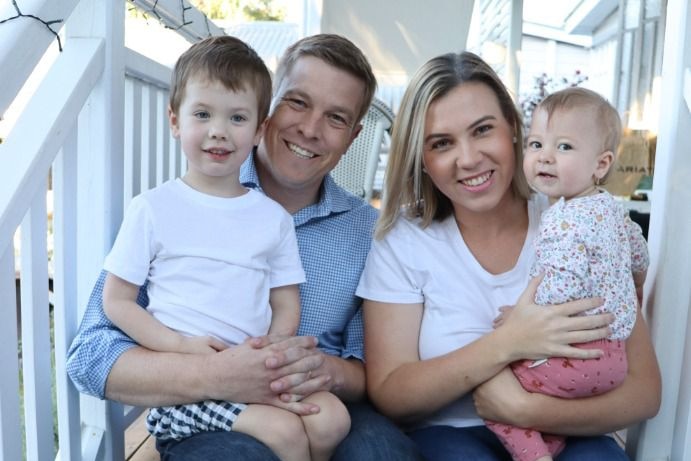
(604, 163)
(353, 135)
(173, 121)
(261, 129)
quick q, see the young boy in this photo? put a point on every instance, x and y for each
(221, 261)
(586, 247)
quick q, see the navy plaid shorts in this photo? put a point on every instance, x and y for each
(180, 421)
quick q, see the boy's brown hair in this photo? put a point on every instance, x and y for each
(227, 60)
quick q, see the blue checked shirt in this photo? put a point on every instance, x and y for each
(334, 237)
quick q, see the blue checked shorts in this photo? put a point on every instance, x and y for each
(180, 421)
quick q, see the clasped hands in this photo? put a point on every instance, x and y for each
(272, 370)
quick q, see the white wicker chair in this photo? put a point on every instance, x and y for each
(357, 168)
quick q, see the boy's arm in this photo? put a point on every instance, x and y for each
(119, 304)
(285, 310)
(102, 361)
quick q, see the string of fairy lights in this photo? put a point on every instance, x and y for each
(152, 10)
(164, 19)
(48, 24)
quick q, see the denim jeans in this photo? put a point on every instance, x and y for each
(372, 437)
(445, 443)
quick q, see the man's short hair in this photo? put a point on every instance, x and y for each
(337, 51)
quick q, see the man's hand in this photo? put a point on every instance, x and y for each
(238, 373)
(314, 372)
(300, 372)
(258, 363)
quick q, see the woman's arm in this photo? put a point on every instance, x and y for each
(503, 399)
(401, 385)
(395, 372)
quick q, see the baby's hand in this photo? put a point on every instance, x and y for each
(504, 313)
(201, 345)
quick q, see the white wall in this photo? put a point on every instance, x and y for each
(398, 37)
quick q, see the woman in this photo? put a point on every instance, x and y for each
(454, 246)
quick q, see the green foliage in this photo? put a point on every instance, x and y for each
(263, 10)
(217, 9)
(238, 10)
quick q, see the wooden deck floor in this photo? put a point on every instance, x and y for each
(139, 445)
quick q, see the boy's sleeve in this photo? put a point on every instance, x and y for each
(98, 344)
(285, 262)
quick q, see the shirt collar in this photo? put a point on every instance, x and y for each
(332, 197)
(248, 174)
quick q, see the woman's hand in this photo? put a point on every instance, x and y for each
(536, 331)
(503, 399)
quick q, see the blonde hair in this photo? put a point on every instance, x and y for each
(606, 116)
(407, 189)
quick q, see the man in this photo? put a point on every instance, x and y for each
(323, 88)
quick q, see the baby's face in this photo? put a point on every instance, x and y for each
(564, 154)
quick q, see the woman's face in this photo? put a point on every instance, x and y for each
(468, 149)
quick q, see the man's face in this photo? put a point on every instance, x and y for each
(312, 124)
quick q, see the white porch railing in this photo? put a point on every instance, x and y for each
(98, 125)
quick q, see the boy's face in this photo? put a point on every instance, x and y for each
(564, 155)
(312, 125)
(217, 128)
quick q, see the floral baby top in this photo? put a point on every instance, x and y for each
(589, 247)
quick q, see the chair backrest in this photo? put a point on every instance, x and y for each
(357, 168)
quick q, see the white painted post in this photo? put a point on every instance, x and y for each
(36, 351)
(10, 434)
(100, 192)
(666, 437)
(65, 293)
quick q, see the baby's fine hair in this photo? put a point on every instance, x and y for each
(606, 116)
(227, 60)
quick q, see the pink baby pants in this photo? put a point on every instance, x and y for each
(564, 378)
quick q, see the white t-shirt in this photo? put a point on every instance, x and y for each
(210, 261)
(461, 299)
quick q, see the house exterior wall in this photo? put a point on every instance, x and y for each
(398, 37)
